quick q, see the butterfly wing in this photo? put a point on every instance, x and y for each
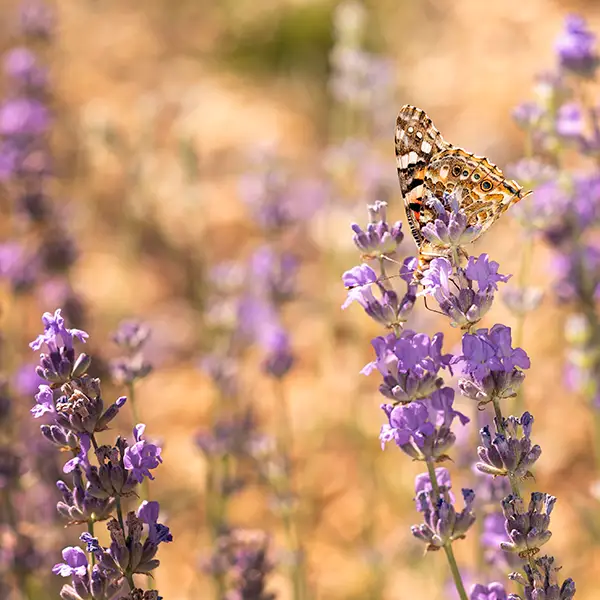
(417, 141)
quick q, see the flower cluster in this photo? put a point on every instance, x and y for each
(71, 402)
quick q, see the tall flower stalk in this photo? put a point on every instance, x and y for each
(101, 478)
(420, 411)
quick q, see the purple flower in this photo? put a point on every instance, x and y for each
(465, 295)
(450, 230)
(442, 523)
(21, 65)
(527, 529)
(75, 564)
(485, 273)
(131, 335)
(23, 118)
(18, 266)
(422, 429)
(389, 310)
(81, 460)
(569, 121)
(56, 335)
(541, 581)
(576, 47)
(409, 365)
(142, 456)
(379, 240)
(148, 513)
(60, 364)
(442, 476)
(279, 359)
(492, 591)
(44, 402)
(274, 274)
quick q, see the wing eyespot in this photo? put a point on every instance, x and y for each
(456, 170)
(486, 186)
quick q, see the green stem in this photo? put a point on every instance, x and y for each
(285, 446)
(458, 582)
(90, 528)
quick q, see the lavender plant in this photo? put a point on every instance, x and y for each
(102, 477)
(562, 130)
(420, 416)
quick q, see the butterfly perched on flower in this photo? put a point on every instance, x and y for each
(431, 170)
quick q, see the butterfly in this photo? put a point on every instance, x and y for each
(429, 167)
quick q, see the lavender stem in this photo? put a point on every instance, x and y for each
(458, 582)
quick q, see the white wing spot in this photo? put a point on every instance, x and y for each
(419, 135)
(426, 147)
(413, 157)
(410, 129)
(404, 161)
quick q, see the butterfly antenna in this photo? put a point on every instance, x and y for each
(433, 310)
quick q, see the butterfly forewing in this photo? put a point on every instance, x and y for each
(417, 141)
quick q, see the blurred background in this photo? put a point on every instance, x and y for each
(190, 140)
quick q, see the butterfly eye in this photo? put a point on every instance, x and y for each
(476, 177)
(456, 170)
(486, 186)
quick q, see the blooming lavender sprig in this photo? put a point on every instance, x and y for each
(73, 401)
(421, 414)
(442, 523)
(130, 337)
(464, 295)
(493, 370)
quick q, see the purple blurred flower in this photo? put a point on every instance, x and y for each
(18, 266)
(23, 118)
(157, 532)
(576, 47)
(569, 121)
(274, 274)
(279, 357)
(492, 591)
(36, 18)
(22, 67)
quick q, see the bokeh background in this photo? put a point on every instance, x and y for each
(162, 111)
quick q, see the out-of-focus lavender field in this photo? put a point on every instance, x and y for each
(180, 179)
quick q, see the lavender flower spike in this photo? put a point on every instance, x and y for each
(59, 364)
(527, 530)
(541, 581)
(510, 453)
(442, 523)
(142, 456)
(422, 429)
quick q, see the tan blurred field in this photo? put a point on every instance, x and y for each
(226, 77)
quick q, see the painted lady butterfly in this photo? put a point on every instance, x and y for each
(429, 166)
